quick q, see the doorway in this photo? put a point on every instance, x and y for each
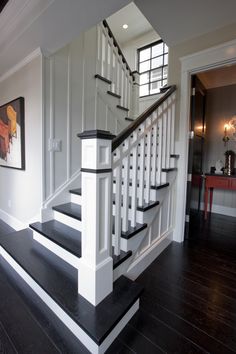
(212, 137)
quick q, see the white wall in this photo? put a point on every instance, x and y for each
(21, 191)
(74, 101)
(194, 45)
(129, 48)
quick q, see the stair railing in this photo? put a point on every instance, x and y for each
(112, 65)
(140, 153)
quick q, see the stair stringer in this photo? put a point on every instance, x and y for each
(61, 195)
(145, 246)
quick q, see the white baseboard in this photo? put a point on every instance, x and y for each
(218, 209)
(12, 221)
(148, 256)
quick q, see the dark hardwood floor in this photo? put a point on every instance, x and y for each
(189, 302)
(188, 305)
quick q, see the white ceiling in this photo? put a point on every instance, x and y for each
(133, 17)
(179, 20)
(224, 76)
(26, 25)
(50, 24)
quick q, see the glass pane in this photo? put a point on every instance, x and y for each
(157, 50)
(165, 48)
(144, 78)
(143, 90)
(166, 59)
(164, 82)
(157, 62)
(144, 66)
(156, 74)
(155, 87)
(144, 54)
(165, 72)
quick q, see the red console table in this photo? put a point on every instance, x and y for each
(217, 181)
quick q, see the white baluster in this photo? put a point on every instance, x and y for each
(142, 171)
(99, 49)
(159, 161)
(164, 136)
(148, 167)
(118, 208)
(168, 138)
(126, 163)
(134, 182)
(172, 147)
(154, 155)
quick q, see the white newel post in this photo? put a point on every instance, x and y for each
(135, 95)
(96, 265)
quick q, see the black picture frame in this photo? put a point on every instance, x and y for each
(12, 134)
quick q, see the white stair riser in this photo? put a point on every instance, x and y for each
(93, 347)
(68, 220)
(56, 249)
(163, 175)
(131, 244)
(76, 199)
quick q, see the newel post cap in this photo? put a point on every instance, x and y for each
(96, 134)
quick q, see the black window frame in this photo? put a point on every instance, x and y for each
(163, 79)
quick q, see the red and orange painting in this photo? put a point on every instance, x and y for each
(12, 134)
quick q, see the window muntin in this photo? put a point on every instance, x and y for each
(153, 68)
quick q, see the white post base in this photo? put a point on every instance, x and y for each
(95, 283)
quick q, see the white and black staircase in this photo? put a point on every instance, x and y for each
(81, 261)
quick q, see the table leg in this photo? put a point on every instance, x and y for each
(205, 203)
(211, 198)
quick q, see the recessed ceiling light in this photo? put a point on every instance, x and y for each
(125, 26)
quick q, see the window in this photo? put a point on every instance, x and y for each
(153, 64)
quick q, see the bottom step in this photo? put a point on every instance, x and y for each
(56, 284)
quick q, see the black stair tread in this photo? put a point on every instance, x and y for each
(160, 186)
(97, 76)
(64, 236)
(59, 280)
(19, 332)
(175, 156)
(129, 119)
(70, 239)
(123, 108)
(70, 209)
(114, 94)
(132, 231)
(117, 260)
(75, 191)
(169, 169)
(148, 206)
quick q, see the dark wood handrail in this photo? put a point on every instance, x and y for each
(119, 139)
(105, 24)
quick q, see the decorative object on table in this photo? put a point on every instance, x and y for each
(218, 167)
(225, 137)
(229, 162)
(232, 124)
(212, 169)
(12, 134)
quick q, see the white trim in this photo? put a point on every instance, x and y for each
(218, 209)
(210, 58)
(56, 249)
(37, 52)
(67, 220)
(64, 317)
(148, 256)
(11, 221)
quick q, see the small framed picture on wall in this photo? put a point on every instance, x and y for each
(12, 134)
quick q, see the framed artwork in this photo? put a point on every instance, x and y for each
(12, 134)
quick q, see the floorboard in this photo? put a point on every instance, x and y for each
(189, 302)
